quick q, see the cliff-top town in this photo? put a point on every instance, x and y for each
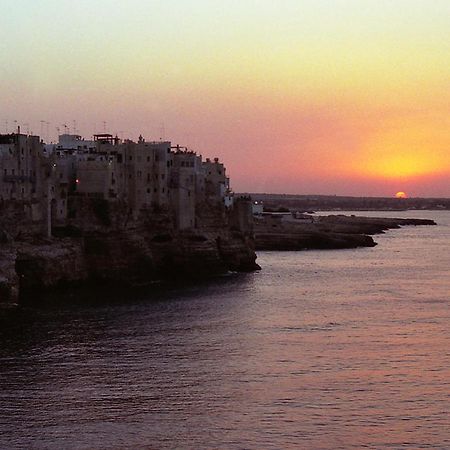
(136, 212)
(143, 174)
(123, 211)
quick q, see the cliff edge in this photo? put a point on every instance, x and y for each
(99, 247)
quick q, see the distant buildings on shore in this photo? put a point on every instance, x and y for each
(146, 175)
(308, 203)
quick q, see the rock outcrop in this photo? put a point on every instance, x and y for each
(275, 232)
(119, 251)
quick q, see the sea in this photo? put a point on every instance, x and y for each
(329, 349)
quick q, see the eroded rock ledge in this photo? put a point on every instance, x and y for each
(125, 258)
(275, 232)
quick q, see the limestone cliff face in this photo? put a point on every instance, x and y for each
(312, 240)
(9, 281)
(49, 264)
(104, 244)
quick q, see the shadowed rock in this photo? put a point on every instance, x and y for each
(277, 232)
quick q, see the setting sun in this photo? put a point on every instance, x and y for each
(401, 194)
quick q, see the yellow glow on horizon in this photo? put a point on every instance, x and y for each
(404, 165)
(401, 194)
(407, 151)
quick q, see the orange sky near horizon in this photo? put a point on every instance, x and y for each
(310, 97)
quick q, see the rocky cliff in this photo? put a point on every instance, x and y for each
(103, 244)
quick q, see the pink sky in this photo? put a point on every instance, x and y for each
(308, 97)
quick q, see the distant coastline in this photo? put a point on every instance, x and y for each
(305, 203)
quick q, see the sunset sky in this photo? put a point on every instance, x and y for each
(347, 97)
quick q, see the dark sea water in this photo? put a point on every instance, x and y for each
(319, 350)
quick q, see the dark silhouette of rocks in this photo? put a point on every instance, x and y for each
(283, 232)
(124, 253)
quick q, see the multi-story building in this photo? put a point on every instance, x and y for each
(186, 179)
(150, 176)
(216, 182)
(20, 162)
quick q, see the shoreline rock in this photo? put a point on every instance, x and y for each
(324, 232)
(147, 252)
(125, 259)
(125, 252)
